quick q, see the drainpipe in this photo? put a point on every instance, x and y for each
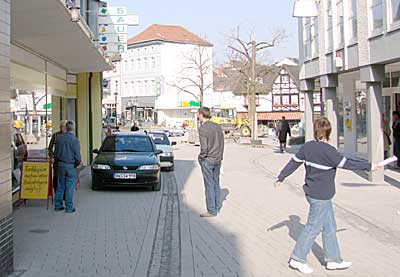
(90, 119)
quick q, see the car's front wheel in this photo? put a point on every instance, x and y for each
(171, 168)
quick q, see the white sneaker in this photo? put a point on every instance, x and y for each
(303, 268)
(338, 266)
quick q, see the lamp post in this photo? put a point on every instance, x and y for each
(116, 103)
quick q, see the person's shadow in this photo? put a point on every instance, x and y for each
(224, 196)
(295, 228)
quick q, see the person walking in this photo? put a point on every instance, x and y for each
(134, 127)
(51, 149)
(68, 159)
(210, 158)
(396, 136)
(283, 133)
(386, 137)
(321, 161)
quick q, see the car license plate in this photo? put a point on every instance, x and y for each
(124, 176)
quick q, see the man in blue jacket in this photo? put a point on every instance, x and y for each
(67, 154)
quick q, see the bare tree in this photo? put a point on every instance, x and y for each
(194, 77)
(246, 53)
(36, 100)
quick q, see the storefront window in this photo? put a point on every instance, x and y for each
(340, 118)
(361, 120)
(395, 6)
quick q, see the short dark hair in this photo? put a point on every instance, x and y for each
(70, 126)
(396, 113)
(205, 112)
(322, 129)
(283, 118)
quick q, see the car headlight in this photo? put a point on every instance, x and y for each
(149, 167)
(166, 154)
(101, 166)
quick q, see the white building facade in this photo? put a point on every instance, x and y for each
(154, 80)
(351, 49)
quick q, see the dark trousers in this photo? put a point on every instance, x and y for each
(282, 145)
(396, 150)
(211, 174)
(55, 176)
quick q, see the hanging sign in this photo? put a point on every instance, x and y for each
(113, 38)
(113, 29)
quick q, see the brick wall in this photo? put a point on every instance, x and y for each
(6, 226)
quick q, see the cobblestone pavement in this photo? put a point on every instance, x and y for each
(144, 233)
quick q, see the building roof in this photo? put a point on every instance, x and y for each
(229, 78)
(168, 33)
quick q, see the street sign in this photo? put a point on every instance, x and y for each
(113, 29)
(113, 38)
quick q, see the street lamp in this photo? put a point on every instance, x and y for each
(305, 8)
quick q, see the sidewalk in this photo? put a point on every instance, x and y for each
(238, 242)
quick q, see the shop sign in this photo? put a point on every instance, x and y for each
(113, 29)
(35, 180)
(113, 38)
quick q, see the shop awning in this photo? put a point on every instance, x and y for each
(45, 27)
(273, 116)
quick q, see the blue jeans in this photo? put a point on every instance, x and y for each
(320, 217)
(66, 176)
(212, 187)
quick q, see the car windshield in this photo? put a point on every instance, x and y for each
(127, 144)
(160, 138)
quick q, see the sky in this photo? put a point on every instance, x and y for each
(215, 20)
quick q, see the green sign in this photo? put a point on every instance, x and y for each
(47, 106)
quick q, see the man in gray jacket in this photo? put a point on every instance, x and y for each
(210, 159)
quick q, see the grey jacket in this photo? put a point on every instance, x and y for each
(211, 143)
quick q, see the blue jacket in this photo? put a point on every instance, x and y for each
(68, 149)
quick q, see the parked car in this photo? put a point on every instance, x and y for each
(20, 150)
(177, 132)
(163, 143)
(127, 160)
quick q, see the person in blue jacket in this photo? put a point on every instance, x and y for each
(321, 161)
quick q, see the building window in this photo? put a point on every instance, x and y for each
(139, 65)
(133, 87)
(146, 87)
(329, 28)
(307, 38)
(377, 14)
(285, 99)
(140, 87)
(277, 99)
(295, 100)
(395, 8)
(340, 22)
(153, 87)
(126, 66)
(153, 63)
(146, 64)
(132, 65)
(126, 89)
(284, 79)
(353, 19)
(314, 37)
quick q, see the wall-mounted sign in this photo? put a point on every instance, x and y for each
(113, 38)
(113, 29)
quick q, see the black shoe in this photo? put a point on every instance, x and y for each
(59, 209)
(70, 211)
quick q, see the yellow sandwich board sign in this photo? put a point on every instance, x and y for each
(35, 180)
